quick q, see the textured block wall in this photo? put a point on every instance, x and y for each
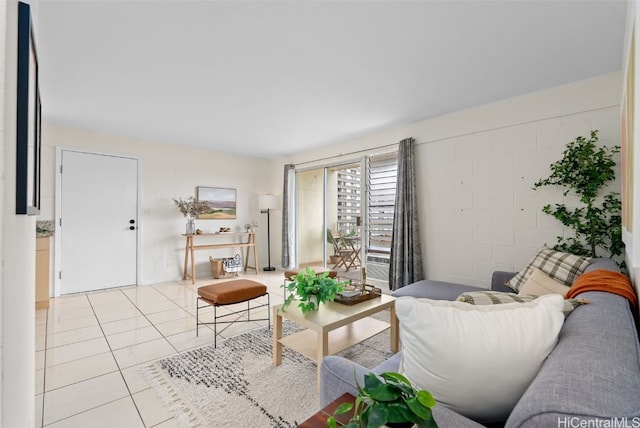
(479, 213)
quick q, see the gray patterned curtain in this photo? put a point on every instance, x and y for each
(287, 228)
(406, 256)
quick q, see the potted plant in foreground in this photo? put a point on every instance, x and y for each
(311, 289)
(388, 399)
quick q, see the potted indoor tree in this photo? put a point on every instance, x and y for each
(586, 170)
(311, 289)
(388, 399)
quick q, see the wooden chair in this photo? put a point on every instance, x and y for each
(348, 253)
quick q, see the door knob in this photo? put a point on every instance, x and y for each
(132, 221)
(131, 227)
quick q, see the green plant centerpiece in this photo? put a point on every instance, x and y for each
(585, 170)
(388, 399)
(311, 289)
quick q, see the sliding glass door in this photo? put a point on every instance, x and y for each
(328, 199)
(344, 208)
(356, 201)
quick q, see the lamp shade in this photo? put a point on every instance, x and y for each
(267, 202)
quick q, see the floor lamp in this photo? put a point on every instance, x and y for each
(266, 203)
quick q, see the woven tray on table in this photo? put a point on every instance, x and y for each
(370, 292)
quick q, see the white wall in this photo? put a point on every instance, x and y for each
(3, 183)
(17, 252)
(476, 168)
(630, 234)
(167, 171)
(310, 214)
(479, 210)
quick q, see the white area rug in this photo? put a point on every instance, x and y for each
(236, 384)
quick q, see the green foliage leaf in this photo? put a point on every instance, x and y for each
(377, 415)
(343, 408)
(309, 283)
(586, 170)
(395, 378)
(399, 412)
(425, 398)
(331, 422)
(385, 393)
(371, 381)
(418, 409)
(390, 397)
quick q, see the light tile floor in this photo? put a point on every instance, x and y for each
(90, 348)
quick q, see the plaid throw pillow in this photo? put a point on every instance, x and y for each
(497, 297)
(563, 267)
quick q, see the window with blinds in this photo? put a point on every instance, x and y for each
(381, 192)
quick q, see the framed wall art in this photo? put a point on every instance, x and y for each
(28, 121)
(221, 201)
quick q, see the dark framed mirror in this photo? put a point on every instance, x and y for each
(28, 120)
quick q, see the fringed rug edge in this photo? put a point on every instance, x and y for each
(184, 414)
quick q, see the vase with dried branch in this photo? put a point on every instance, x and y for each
(190, 208)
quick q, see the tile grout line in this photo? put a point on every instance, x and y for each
(44, 366)
(159, 332)
(119, 370)
(116, 360)
(45, 377)
(86, 297)
(111, 351)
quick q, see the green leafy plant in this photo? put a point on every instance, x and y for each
(585, 170)
(388, 398)
(309, 286)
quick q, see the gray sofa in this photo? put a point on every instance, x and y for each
(593, 373)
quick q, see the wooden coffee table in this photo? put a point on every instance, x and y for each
(332, 328)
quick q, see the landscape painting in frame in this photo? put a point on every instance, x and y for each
(221, 201)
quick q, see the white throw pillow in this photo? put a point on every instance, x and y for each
(540, 284)
(477, 360)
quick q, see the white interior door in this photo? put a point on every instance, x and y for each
(99, 223)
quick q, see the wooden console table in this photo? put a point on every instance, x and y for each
(190, 248)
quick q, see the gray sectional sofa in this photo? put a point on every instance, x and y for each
(591, 378)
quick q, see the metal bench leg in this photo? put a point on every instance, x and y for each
(215, 326)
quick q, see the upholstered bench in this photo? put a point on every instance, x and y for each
(230, 293)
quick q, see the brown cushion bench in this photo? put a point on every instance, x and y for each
(230, 293)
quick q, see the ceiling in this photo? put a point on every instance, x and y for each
(271, 78)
